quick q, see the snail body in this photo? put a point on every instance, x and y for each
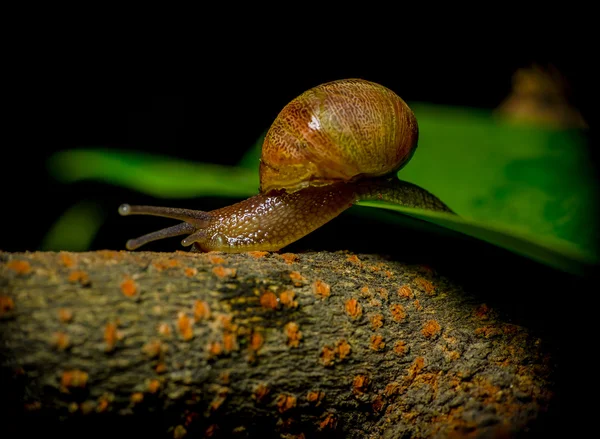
(333, 145)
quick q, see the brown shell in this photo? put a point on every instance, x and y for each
(338, 131)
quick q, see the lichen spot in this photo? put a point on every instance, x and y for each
(377, 343)
(111, 336)
(269, 300)
(482, 312)
(19, 267)
(256, 341)
(431, 329)
(229, 342)
(61, 341)
(190, 271)
(164, 329)
(66, 260)
(360, 384)
(285, 402)
(153, 386)
(287, 299)
(258, 254)
(353, 259)
(327, 356)
(6, 305)
(129, 287)
(328, 422)
(184, 326)
(260, 392)
(136, 398)
(216, 259)
(201, 310)
(405, 292)
(376, 321)
(425, 285)
(71, 379)
(65, 315)
(223, 272)
(353, 308)
(289, 258)
(343, 349)
(215, 349)
(400, 348)
(292, 331)
(152, 349)
(79, 276)
(321, 289)
(398, 312)
(315, 397)
(297, 278)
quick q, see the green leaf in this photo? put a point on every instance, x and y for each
(75, 229)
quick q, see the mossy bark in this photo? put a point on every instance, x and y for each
(258, 344)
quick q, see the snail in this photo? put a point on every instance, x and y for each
(333, 145)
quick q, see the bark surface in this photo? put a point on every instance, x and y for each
(316, 344)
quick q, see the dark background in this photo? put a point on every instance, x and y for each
(210, 101)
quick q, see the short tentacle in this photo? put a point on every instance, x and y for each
(179, 229)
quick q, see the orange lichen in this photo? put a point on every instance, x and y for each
(297, 278)
(225, 320)
(285, 402)
(223, 272)
(6, 304)
(79, 276)
(488, 331)
(360, 384)
(73, 379)
(388, 273)
(416, 367)
(329, 422)
(129, 287)
(376, 321)
(417, 305)
(111, 336)
(425, 285)
(201, 310)
(152, 349)
(293, 333)
(375, 303)
(225, 377)
(19, 267)
(398, 312)
(164, 329)
(289, 258)
(160, 368)
(229, 342)
(190, 271)
(327, 356)
(260, 392)
(365, 291)
(65, 315)
(431, 329)
(392, 389)
(166, 263)
(258, 254)
(321, 289)
(342, 349)
(61, 340)
(353, 308)
(353, 259)
(377, 404)
(400, 347)
(184, 326)
(216, 259)
(153, 386)
(66, 260)
(256, 341)
(315, 397)
(287, 299)
(136, 397)
(377, 343)
(215, 349)
(383, 293)
(269, 300)
(103, 403)
(405, 292)
(482, 312)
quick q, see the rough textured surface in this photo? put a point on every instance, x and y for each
(258, 345)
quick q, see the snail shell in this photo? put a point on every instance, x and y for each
(338, 131)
